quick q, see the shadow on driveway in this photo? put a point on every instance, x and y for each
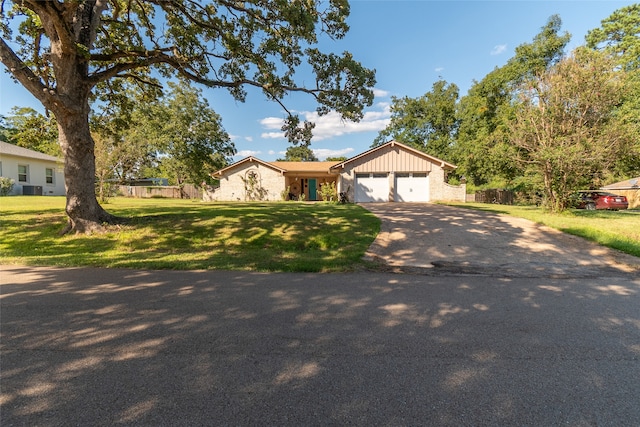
(427, 235)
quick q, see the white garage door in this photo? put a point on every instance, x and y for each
(372, 187)
(412, 187)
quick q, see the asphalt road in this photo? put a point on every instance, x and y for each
(436, 347)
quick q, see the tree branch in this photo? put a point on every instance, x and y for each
(24, 75)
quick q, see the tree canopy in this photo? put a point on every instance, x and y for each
(188, 136)
(427, 123)
(68, 52)
(482, 148)
(565, 128)
(546, 122)
(27, 128)
(619, 35)
(300, 153)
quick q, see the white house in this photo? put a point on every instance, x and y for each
(34, 173)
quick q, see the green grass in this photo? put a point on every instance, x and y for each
(615, 229)
(191, 235)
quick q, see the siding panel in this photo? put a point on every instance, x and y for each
(391, 160)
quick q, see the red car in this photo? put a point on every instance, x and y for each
(591, 200)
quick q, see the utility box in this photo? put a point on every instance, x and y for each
(32, 190)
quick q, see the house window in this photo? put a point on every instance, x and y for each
(23, 173)
(49, 175)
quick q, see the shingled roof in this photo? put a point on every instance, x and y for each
(311, 167)
(629, 184)
(14, 150)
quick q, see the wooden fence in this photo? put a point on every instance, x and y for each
(501, 197)
(189, 191)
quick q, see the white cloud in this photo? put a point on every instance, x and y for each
(439, 69)
(379, 93)
(272, 135)
(323, 153)
(247, 153)
(498, 49)
(236, 138)
(332, 125)
(271, 123)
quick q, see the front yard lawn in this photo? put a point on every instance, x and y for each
(191, 235)
(287, 236)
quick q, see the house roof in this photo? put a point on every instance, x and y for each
(283, 167)
(249, 159)
(629, 184)
(320, 167)
(392, 143)
(327, 167)
(14, 150)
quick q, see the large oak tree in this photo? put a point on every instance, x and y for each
(66, 49)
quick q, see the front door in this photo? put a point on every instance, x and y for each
(312, 189)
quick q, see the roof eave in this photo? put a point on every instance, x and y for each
(250, 159)
(392, 143)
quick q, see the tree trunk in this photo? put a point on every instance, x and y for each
(85, 213)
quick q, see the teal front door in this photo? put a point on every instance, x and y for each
(312, 189)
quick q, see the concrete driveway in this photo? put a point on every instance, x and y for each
(445, 238)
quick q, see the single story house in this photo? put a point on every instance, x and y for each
(34, 173)
(392, 172)
(629, 188)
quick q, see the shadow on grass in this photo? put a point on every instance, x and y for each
(627, 246)
(261, 237)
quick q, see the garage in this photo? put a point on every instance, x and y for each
(372, 187)
(411, 187)
(394, 172)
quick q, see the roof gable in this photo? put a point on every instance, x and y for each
(14, 150)
(249, 159)
(394, 143)
(629, 184)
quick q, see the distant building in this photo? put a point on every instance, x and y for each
(34, 173)
(629, 188)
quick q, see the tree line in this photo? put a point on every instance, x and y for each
(547, 122)
(175, 135)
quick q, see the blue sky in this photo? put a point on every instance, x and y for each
(411, 44)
